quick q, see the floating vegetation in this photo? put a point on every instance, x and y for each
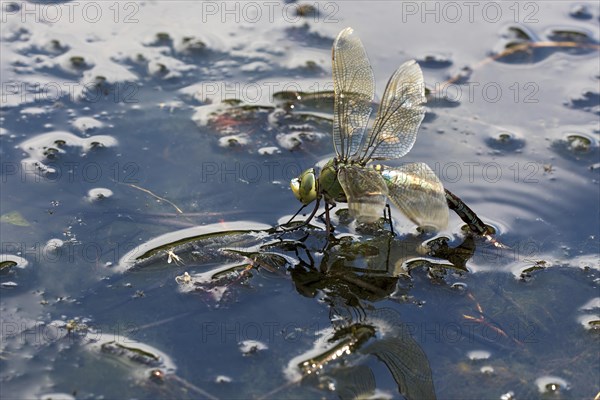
(250, 347)
(97, 194)
(257, 128)
(234, 140)
(577, 145)
(78, 62)
(306, 10)
(477, 355)
(519, 44)
(163, 39)
(551, 385)
(435, 61)
(6, 265)
(506, 141)
(192, 45)
(52, 144)
(14, 218)
(8, 261)
(580, 11)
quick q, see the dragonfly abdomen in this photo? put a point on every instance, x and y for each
(466, 214)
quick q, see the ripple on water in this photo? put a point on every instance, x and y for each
(576, 145)
(505, 141)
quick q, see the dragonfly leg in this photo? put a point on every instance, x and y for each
(328, 219)
(389, 218)
(306, 221)
(295, 215)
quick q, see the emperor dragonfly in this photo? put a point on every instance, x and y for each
(413, 188)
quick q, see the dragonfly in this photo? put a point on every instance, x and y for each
(350, 177)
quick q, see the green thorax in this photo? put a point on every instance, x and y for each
(329, 185)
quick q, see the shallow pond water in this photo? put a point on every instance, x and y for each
(146, 151)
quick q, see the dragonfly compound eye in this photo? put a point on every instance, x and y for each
(305, 186)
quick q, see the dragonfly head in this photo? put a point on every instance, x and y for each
(304, 187)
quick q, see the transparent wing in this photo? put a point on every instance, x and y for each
(407, 362)
(418, 193)
(400, 114)
(354, 89)
(366, 191)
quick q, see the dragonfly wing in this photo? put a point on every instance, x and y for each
(354, 89)
(418, 193)
(400, 114)
(366, 191)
